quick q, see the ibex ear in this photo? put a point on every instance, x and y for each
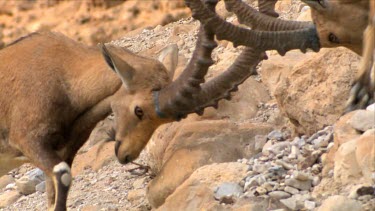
(169, 57)
(118, 65)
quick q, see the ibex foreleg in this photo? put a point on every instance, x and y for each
(62, 179)
(362, 93)
(58, 176)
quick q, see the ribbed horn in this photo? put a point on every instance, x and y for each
(282, 41)
(221, 86)
(268, 7)
(251, 17)
(174, 101)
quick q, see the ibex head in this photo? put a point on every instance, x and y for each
(134, 105)
(149, 98)
(340, 22)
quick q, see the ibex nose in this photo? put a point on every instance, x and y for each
(127, 158)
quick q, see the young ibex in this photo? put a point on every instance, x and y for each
(335, 23)
(54, 91)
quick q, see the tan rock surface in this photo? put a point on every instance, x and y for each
(314, 93)
(365, 155)
(340, 203)
(8, 198)
(95, 158)
(197, 144)
(196, 193)
(90, 21)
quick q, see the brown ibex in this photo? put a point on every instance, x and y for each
(335, 23)
(54, 91)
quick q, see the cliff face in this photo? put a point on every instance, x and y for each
(90, 21)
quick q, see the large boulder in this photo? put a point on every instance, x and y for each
(95, 158)
(277, 67)
(340, 203)
(313, 94)
(197, 192)
(352, 156)
(195, 144)
(365, 155)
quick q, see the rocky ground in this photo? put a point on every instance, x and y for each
(88, 21)
(249, 154)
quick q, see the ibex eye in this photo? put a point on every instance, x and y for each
(138, 112)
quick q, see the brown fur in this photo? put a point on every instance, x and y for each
(55, 90)
(343, 20)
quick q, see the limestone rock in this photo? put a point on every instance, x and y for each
(301, 185)
(277, 67)
(197, 144)
(36, 175)
(279, 194)
(275, 135)
(9, 198)
(363, 120)
(340, 203)
(134, 195)
(346, 166)
(343, 132)
(313, 93)
(305, 14)
(227, 190)
(96, 157)
(25, 185)
(196, 193)
(291, 190)
(365, 154)
(41, 187)
(371, 107)
(291, 203)
(5, 180)
(310, 205)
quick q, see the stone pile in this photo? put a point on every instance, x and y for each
(286, 172)
(31, 182)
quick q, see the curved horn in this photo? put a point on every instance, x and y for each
(282, 41)
(268, 7)
(221, 86)
(251, 17)
(175, 100)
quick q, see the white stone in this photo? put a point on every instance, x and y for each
(310, 205)
(291, 190)
(371, 107)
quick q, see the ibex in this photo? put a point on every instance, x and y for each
(54, 91)
(335, 23)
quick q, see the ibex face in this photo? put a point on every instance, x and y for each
(340, 22)
(134, 106)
